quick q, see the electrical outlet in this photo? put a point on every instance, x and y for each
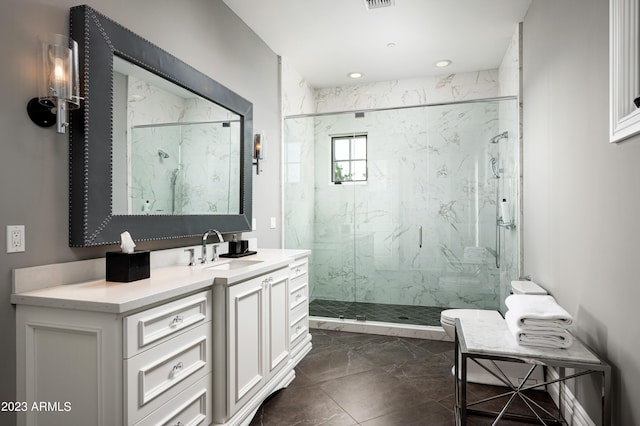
(15, 238)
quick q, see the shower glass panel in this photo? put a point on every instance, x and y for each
(421, 233)
(312, 220)
(183, 168)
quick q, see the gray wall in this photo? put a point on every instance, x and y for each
(581, 193)
(34, 161)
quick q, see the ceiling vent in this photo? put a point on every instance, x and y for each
(378, 4)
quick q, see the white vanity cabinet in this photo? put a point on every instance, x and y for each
(257, 334)
(114, 369)
(188, 346)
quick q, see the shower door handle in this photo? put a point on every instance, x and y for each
(420, 236)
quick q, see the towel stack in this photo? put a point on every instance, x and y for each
(537, 320)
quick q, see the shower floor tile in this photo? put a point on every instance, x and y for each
(402, 314)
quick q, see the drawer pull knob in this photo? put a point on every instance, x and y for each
(179, 424)
(270, 279)
(177, 367)
(177, 320)
(297, 270)
(298, 296)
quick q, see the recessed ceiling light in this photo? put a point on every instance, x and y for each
(391, 45)
(443, 63)
(355, 75)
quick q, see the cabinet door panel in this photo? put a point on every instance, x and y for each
(247, 335)
(278, 321)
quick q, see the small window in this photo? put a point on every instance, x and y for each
(349, 158)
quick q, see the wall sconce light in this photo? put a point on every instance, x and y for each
(258, 150)
(58, 83)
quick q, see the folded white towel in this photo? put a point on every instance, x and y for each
(559, 338)
(537, 312)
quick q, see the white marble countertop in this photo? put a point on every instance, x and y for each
(165, 282)
(492, 337)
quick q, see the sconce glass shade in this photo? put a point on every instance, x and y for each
(58, 77)
(258, 153)
(258, 150)
(58, 82)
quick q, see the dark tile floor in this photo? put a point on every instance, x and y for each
(402, 314)
(364, 379)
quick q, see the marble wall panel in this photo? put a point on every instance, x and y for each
(428, 167)
(409, 92)
(194, 177)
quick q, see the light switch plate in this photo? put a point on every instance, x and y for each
(273, 223)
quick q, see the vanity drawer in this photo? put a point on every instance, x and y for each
(299, 294)
(160, 373)
(299, 325)
(298, 268)
(191, 407)
(156, 325)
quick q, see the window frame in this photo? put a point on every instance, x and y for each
(624, 64)
(351, 159)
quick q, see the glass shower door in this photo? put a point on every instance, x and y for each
(319, 214)
(455, 262)
(391, 210)
(425, 220)
(419, 234)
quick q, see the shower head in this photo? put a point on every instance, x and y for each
(163, 154)
(503, 135)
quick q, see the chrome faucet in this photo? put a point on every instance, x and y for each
(205, 236)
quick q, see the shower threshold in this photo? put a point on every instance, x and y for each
(376, 312)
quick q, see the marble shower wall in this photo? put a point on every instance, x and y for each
(364, 236)
(409, 92)
(299, 184)
(429, 168)
(195, 178)
(509, 186)
(510, 114)
(194, 175)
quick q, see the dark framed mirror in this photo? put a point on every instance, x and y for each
(128, 169)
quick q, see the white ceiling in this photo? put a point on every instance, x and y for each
(326, 39)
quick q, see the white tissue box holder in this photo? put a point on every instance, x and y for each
(127, 267)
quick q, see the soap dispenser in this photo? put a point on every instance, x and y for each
(234, 247)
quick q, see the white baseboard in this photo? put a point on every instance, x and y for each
(573, 412)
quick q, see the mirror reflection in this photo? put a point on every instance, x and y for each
(174, 152)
